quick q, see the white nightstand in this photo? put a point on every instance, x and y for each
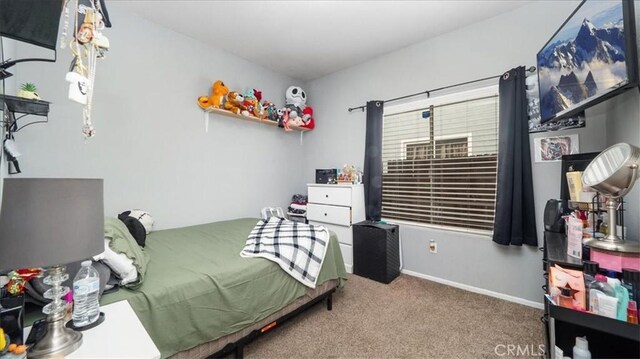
(120, 336)
(337, 207)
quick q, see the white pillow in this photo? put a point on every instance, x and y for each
(119, 263)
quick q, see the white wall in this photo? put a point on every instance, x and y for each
(477, 51)
(151, 147)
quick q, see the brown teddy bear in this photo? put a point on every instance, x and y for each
(234, 103)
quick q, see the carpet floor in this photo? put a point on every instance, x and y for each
(409, 318)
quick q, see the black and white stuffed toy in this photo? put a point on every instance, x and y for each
(139, 223)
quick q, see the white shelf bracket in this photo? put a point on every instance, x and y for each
(206, 122)
(301, 137)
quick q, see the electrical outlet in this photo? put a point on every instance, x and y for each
(433, 247)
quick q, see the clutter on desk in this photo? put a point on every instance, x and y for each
(597, 290)
(349, 174)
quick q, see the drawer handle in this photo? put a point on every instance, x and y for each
(325, 214)
(326, 196)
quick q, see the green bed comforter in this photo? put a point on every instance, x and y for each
(197, 287)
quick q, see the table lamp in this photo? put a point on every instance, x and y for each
(613, 173)
(49, 222)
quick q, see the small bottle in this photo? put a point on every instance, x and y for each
(565, 299)
(632, 312)
(631, 281)
(581, 349)
(590, 269)
(598, 285)
(86, 289)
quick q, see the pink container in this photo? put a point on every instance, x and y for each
(615, 260)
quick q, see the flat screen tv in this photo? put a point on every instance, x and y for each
(592, 57)
(32, 21)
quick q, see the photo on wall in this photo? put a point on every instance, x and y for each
(549, 149)
(533, 111)
(584, 60)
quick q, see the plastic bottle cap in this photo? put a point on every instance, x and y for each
(611, 274)
(591, 267)
(601, 278)
(86, 263)
(582, 343)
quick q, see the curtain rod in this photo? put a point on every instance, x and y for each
(428, 92)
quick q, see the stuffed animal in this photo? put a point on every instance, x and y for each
(307, 118)
(280, 113)
(217, 97)
(249, 103)
(295, 99)
(270, 111)
(234, 103)
(260, 111)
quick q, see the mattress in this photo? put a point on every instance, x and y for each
(198, 289)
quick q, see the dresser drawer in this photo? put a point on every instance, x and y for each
(344, 234)
(329, 214)
(339, 196)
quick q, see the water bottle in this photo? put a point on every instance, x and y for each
(86, 289)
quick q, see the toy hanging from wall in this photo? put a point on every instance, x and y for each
(296, 111)
(88, 45)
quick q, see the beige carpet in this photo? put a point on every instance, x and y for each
(409, 318)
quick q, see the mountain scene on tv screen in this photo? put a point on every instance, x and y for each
(585, 58)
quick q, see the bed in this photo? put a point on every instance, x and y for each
(199, 295)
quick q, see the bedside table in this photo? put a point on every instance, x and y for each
(337, 207)
(120, 336)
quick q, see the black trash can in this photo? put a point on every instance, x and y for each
(376, 251)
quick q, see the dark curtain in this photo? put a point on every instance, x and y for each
(515, 213)
(372, 176)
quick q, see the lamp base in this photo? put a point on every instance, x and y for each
(614, 245)
(59, 341)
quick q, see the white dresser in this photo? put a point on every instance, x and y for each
(337, 207)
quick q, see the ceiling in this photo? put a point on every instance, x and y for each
(309, 39)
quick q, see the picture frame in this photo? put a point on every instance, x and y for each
(551, 149)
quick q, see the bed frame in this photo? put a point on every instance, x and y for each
(237, 347)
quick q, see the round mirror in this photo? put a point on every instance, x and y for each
(613, 171)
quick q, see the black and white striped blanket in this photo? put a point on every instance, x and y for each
(298, 248)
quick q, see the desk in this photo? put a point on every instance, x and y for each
(120, 336)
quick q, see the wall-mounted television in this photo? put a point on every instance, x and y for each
(592, 57)
(32, 21)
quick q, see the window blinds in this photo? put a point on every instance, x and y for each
(440, 164)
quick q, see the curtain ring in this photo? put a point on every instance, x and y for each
(377, 103)
(506, 75)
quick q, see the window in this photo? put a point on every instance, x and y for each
(440, 161)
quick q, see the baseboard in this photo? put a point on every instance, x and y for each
(473, 289)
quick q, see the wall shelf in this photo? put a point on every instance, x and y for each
(25, 106)
(217, 111)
